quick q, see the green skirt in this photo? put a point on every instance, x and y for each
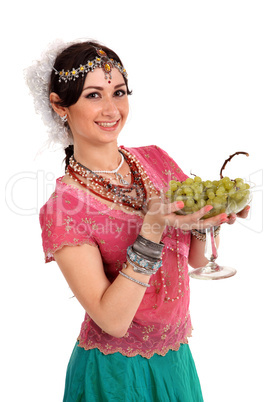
(95, 377)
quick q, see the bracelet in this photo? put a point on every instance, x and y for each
(148, 248)
(137, 258)
(202, 235)
(140, 269)
(204, 230)
(134, 280)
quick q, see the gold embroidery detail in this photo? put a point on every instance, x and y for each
(48, 225)
(68, 220)
(148, 329)
(88, 220)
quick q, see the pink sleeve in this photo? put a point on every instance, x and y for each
(171, 166)
(63, 223)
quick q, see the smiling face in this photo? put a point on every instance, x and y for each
(102, 109)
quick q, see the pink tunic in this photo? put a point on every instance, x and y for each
(72, 217)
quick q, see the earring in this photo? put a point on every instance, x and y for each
(64, 118)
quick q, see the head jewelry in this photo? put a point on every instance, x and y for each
(38, 78)
(102, 60)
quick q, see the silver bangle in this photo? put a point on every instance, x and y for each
(137, 258)
(134, 280)
(148, 248)
(141, 270)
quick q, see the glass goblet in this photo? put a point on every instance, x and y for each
(234, 203)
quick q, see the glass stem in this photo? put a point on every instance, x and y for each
(211, 249)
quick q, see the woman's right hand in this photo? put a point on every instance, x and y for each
(161, 214)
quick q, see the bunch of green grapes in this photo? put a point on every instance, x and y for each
(225, 195)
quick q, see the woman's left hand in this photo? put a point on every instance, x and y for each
(242, 214)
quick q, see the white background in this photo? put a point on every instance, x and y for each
(198, 70)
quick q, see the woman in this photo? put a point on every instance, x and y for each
(122, 249)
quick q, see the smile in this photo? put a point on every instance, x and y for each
(107, 124)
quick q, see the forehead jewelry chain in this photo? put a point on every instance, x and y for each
(102, 61)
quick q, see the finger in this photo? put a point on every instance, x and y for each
(163, 197)
(173, 207)
(244, 213)
(214, 221)
(231, 219)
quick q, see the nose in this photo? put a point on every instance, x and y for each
(109, 107)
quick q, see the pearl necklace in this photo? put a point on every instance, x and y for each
(118, 176)
(103, 188)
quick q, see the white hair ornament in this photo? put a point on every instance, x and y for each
(38, 78)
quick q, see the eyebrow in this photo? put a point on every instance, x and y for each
(101, 88)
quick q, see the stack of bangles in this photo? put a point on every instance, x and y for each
(145, 258)
(201, 234)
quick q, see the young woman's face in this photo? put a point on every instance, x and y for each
(102, 109)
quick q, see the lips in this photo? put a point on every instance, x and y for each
(107, 124)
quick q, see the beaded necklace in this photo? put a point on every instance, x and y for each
(118, 176)
(102, 187)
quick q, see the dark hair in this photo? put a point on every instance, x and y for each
(69, 92)
(72, 57)
(68, 153)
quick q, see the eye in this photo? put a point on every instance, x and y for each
(120, 93)
(93, 95)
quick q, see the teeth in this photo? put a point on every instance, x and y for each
(107, 124)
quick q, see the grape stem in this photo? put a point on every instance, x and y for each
(229, 159)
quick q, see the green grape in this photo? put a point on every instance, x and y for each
(198, 188)
(225, 180)
(188, 191)
(238, 195)
(210, 195)
(201, 203)
(229, 185)
(225, 195)
(232, 192)
(179, 191)
(173, 185)
(189, 180)
(218, 202)
(190, 202)
(220, 191)
(208, 183)
(242, 186)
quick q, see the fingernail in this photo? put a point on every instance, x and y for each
(208, 208)
(180, 204)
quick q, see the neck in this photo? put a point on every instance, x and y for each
(105, 157)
